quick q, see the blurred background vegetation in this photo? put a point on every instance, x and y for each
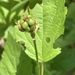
(64, 63)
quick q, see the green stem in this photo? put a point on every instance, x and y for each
(41, 68)
(36, 53)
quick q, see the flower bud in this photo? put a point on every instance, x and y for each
(27, 29)
(24, 25)
(31, 22)
(21, 22)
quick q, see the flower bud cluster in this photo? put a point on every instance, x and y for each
(27, 23)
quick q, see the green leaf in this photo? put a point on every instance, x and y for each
(69, 37)
(12, 58)
(1, 14)
(2, 30)
(19, 6)
(25, 65)
(32, 3)
(67, 58)
(51, 23)
(9, 4)
(71, 11)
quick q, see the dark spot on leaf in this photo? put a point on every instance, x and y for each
(47, 39)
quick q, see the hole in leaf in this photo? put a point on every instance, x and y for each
(47, 39)
(22, 45)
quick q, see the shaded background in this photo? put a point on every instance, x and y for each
(64, 63)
